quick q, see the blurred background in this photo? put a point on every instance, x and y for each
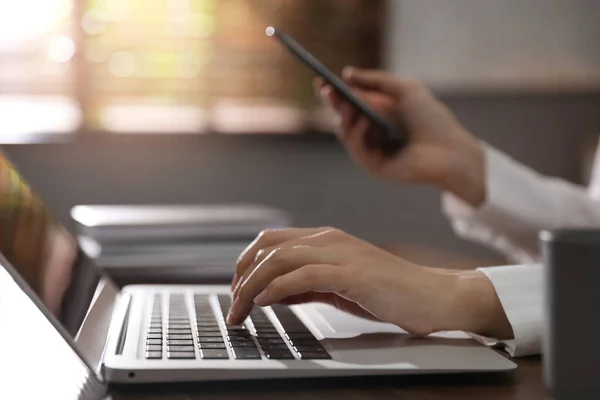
(187, 101)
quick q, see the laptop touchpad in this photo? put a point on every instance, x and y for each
(333, 323)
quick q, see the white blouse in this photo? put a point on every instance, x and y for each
(521, 202)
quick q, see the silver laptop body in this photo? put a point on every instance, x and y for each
(169, 333)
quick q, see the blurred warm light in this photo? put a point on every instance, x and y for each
(153, 118)
(258, 116)
(23, 19)
(178, 4)
(53, 114)
(94, 21)
(121, 64)
(61, 49)
(159, 66)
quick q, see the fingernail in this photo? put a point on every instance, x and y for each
(261, 298)
(324, 91)
(347, 72)
(232, 315)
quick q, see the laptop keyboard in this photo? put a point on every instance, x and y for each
(209, 337)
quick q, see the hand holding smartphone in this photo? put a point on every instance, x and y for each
(389, 137)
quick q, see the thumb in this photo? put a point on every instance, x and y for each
(375, 80)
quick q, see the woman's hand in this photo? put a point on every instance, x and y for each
(440, 150)
(327, 265)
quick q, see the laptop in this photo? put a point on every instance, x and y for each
(169, 333)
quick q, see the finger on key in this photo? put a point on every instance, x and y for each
(279, 262)
(320, 278)
(267, 238)
(323, 237)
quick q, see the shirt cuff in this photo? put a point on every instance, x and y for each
(519, 289)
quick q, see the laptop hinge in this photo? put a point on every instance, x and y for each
(94, 332)
(126, 298)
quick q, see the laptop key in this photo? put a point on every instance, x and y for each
(266, 330)
(210, 334)
(205, 317)
(181, 355)
(269, 335)
(229, 326)
(212, 345)
(208, 326)
(296, 330)
(308, 355)
(279, 355)
(270, 341)
(262, 324)
(180, 342)
(214, 354)
(171, 332)
(206, 321)
(153, 355)
(274, 347)
(154, 347)
(154, 341)
(203, 339)
(247, 343)
(305, 342)
(313, 348)
(240, 338)
(245, 353)
(180, 348)
(154, 336)
(177, 336)
(293, 336)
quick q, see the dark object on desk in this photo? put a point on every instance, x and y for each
(390, 138)
(572, 267)
(171, 243)
(117, 225)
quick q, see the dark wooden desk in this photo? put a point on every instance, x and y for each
(523, 383)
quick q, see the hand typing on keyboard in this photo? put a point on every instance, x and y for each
(292, 266)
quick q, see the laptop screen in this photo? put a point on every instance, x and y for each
(43, 253)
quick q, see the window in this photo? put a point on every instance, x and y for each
(36, 67)
(129, 66)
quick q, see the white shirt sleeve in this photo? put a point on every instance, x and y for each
(519, 203)
(519, 288)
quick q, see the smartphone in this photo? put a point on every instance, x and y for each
(387, 136)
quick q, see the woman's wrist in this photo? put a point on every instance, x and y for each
(476, 308)
(465, 175)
